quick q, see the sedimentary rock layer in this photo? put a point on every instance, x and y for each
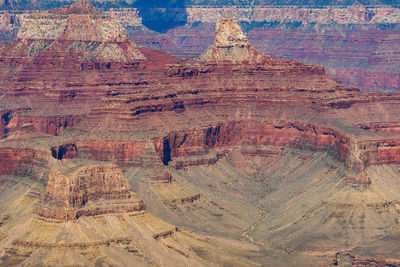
(221, 144)
(87, 191)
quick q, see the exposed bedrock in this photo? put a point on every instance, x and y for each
(66, 151)
(88, 183)
(53, 125)
(360, 43)
(83, 24)
(377, 151)
(246, 133)
(357, 154)
(381, 127)
(25, 162)
(53, 48)
(265, 65)
(121, 152)
(87, 191)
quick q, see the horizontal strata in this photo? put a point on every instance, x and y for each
(145, 102)
(278, 136)
(350, 14)
(31, 162)
(30, 244)
(199, 142)
(74, 214)
(360, 41)
(357, 154)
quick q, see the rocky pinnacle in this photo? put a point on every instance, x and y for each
(230, 44)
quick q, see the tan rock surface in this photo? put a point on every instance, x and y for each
(238, 146)
(230, 44)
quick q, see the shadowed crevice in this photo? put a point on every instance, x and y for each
(161, 16)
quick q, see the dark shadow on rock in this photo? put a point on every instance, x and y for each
(161, 15)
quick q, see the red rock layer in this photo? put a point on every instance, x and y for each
(145, 105)
(357, 154)
(74, 214)
(53, 125)
(246, 133)
(381, 127)
(88, 184)
(122, 152)
(25, 162)
(88, 191)
(67, 67)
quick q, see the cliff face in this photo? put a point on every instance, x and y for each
(359, 41)
(87, 191)
(67, 58)
(85, 33)
(200, 140)
(230, 44)
(357, 154)
(357, 44)
(24, 162)
(88, 184)
(66, 41)
(122, 152)
(245, 133)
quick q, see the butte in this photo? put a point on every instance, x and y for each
(113, 154)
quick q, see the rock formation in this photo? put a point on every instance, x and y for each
(67, 57)
(230, 44)
(86, 34)
(233, 144)
(356, 43)
(87, 191)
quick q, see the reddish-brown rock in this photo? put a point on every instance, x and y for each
(88, 184)
(67, 59)
(87, 191)
(25, 162)
(122, 152)
(307, 132)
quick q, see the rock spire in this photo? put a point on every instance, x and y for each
(230, 44)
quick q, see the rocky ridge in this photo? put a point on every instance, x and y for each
(360, 41)
(212, 145)
(84, 27)
(230, 44)
(87, 191)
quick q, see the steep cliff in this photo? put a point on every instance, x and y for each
(230, 44)
(357, 42)
(87, 191)
(233, 144)
(68, 58)
(79, 32)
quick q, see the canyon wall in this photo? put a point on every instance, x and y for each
(253, 133)
(87, 191)
(88, 184)
(357, 44)
(124, 153)
(25, 162)
(342, 15)
(356, 154)
(53, 125)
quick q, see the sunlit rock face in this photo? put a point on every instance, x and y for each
(230, 44)
(82, 30)
(230, 158)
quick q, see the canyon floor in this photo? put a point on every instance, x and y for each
(112, 154)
